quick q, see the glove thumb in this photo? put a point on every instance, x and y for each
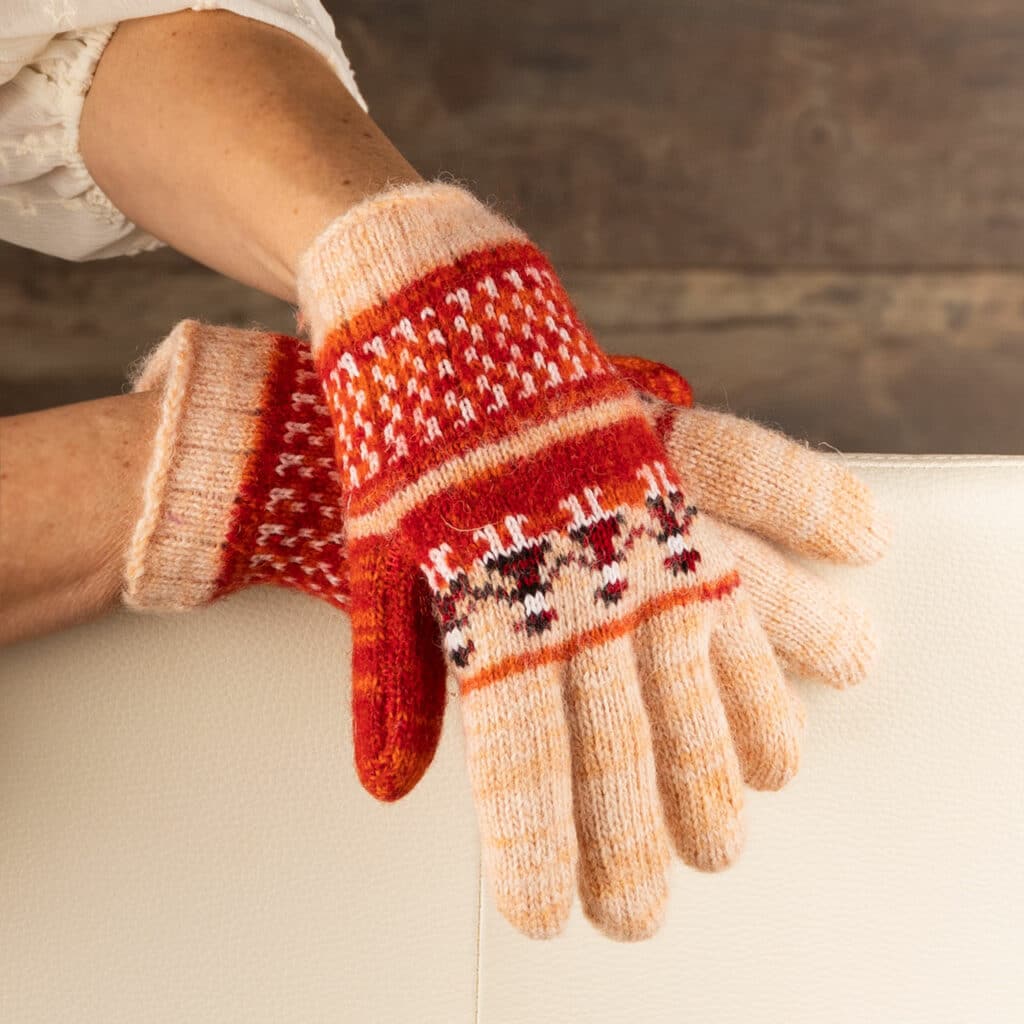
(398, 670)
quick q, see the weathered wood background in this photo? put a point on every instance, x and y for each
(815, 208)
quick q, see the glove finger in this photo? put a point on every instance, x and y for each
(814, 630)
(697, 769)
(517, 754)
(624, 852)
(398, 671)
(760, 480)
(657, 379)
(765, 719)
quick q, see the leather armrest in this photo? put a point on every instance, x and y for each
(182, 836)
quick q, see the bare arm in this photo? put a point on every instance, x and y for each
(230, 140)
(235, 143)
(70, 487)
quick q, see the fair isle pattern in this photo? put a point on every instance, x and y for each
(462, 359)
(488, 448)
(288, 525)
(501, 320)
(242, 485)
(240, 491)
(528, 577)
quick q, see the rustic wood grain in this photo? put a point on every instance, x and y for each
(815, 209)
(913, 362)
(86, 323)
(666, 133)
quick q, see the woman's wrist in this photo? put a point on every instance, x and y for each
(70, 490)
(230, 140)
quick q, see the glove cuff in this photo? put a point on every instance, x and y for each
(386, 243)
(213, 381)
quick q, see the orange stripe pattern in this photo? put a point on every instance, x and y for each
(499, 475)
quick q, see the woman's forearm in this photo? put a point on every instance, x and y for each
(230, 140)
(70, 490)
(235, 143)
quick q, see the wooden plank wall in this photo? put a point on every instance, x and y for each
(815, 208)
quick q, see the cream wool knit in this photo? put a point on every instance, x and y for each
(616, 685)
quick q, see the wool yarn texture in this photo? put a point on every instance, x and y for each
(494, 463)
(241, 491)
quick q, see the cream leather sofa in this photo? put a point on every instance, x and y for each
(182, 837)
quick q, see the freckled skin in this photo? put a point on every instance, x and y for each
(71, 488)
(166, 132)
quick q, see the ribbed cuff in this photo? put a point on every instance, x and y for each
(213, 381)
(385, 243)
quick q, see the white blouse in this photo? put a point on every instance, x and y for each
(48, 53)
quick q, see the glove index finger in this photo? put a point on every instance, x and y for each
(814, 630)
(760, 480)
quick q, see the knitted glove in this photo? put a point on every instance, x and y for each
(765, 491)
(242, 489)
(240, 492)
(492, 458)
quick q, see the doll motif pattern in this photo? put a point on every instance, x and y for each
(518, 569)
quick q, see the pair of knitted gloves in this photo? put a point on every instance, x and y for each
(458, 465)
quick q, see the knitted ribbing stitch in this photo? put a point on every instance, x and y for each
(487, 445)
(242, 486)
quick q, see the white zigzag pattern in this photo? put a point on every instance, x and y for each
(560, 353)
